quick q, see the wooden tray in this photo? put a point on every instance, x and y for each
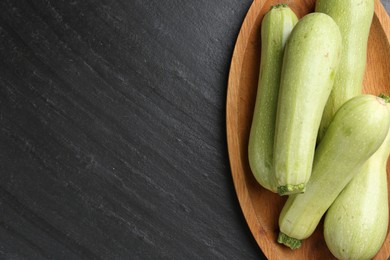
(261, 208)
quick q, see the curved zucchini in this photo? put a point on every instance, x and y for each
(356, 132)
(276, 26)
(310, 61)
(355, 225)
(354, 19)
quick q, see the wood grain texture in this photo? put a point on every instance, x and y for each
(261, 207)
(112, 130)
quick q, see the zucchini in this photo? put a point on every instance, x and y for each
(356, 224)
(275, 29)
(358, 129)
(310, 62)
(354, 18)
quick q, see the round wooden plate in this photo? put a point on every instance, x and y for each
(261, 208)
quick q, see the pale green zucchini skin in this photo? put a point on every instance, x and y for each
(310, 62)
(356, 132)
(276, 26)
(356, 224)
(354, 18)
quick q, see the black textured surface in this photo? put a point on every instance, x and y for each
(113, 130)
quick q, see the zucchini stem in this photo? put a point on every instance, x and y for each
(291, 242)
(291, 189)
(278, 6)
(384, 97)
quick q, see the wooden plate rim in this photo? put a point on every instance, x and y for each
(236, 163)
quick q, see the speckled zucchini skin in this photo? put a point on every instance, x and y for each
(276, 27)
(356, 224)
(310, 62)
(354, 18)
(356, 132)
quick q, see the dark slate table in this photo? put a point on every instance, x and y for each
(112, 130)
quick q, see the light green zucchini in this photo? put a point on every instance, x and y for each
(357, 131)
(356, 224)
(276, 26)
(310, 62)
(354, 18)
